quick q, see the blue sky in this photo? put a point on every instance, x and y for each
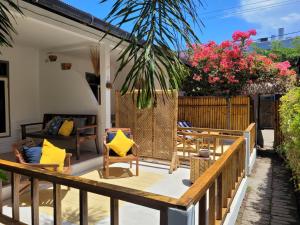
(223, 17)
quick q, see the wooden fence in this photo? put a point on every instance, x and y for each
(215, 112)
(224, 175)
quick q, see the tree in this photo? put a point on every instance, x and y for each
(6, 25)
(229, 69)
(160, 29)
(279, 53)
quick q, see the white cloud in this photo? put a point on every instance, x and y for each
(269, 15)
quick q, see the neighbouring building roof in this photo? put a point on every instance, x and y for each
(60, 8)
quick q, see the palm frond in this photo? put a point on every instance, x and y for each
(6, 22)
(160, 30)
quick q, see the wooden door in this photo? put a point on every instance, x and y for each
(266, 112)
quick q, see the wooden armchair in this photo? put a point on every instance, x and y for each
(17, 149)
(111, 157)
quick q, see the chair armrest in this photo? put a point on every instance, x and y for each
(23, 128)
(68, 160)
(31, 124)
(87, 127)
(43, 166)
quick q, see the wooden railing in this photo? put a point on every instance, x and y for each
(252, 130)
(220, 182)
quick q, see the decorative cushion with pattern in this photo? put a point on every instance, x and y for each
(54, 125)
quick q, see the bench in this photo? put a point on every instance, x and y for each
(82, 134)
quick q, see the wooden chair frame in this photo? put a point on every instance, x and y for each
(17, 150)
(108, 160)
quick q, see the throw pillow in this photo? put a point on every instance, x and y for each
(32, 154)
(79, 122)
(121, 144)
(53, 155)
(66, 128)
(54, 125)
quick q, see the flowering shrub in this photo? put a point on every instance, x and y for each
(227, 68)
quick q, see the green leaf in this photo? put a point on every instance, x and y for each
(6, 26)
(160, 30)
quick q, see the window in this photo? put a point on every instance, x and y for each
(4, 100)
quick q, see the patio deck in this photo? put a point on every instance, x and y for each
(154, 178)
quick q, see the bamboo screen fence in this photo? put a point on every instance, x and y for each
(154, 129)
(215, 112)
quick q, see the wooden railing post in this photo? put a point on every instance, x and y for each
(57, 204)
(247, 143)
(219, 197)
(212, 204)
(114, 211)
(35, 202)
(83, 207)
(202, 210)
(15, 180)
(163, 217)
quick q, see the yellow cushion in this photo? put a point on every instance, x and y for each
(53, 155)
(66, 128)
(121, 144)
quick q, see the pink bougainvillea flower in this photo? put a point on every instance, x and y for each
(197, 77)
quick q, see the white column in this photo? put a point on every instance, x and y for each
(105, 107)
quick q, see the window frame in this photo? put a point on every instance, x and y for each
(5, 78)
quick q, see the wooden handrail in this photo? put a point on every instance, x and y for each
(143, 198)
(236, 132)
(199, 188)
(220, 136)
(250, 127)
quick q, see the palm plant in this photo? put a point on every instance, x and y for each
(160, 29)
(6, 24)
(6, 33)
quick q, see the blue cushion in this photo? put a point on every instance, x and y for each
(33, 154)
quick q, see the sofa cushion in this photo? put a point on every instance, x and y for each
(53, 126)
(78, 123)
(66, 128)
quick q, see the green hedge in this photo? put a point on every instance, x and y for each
(290, 125)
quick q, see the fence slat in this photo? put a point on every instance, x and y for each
(57, 204)
(114, 211)
(83, 205)
(35, 201)
(15, 196)
(215, 112)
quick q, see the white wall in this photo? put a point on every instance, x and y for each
(66, 91)
(23, 90)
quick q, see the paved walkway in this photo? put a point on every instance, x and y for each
(270, 199)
